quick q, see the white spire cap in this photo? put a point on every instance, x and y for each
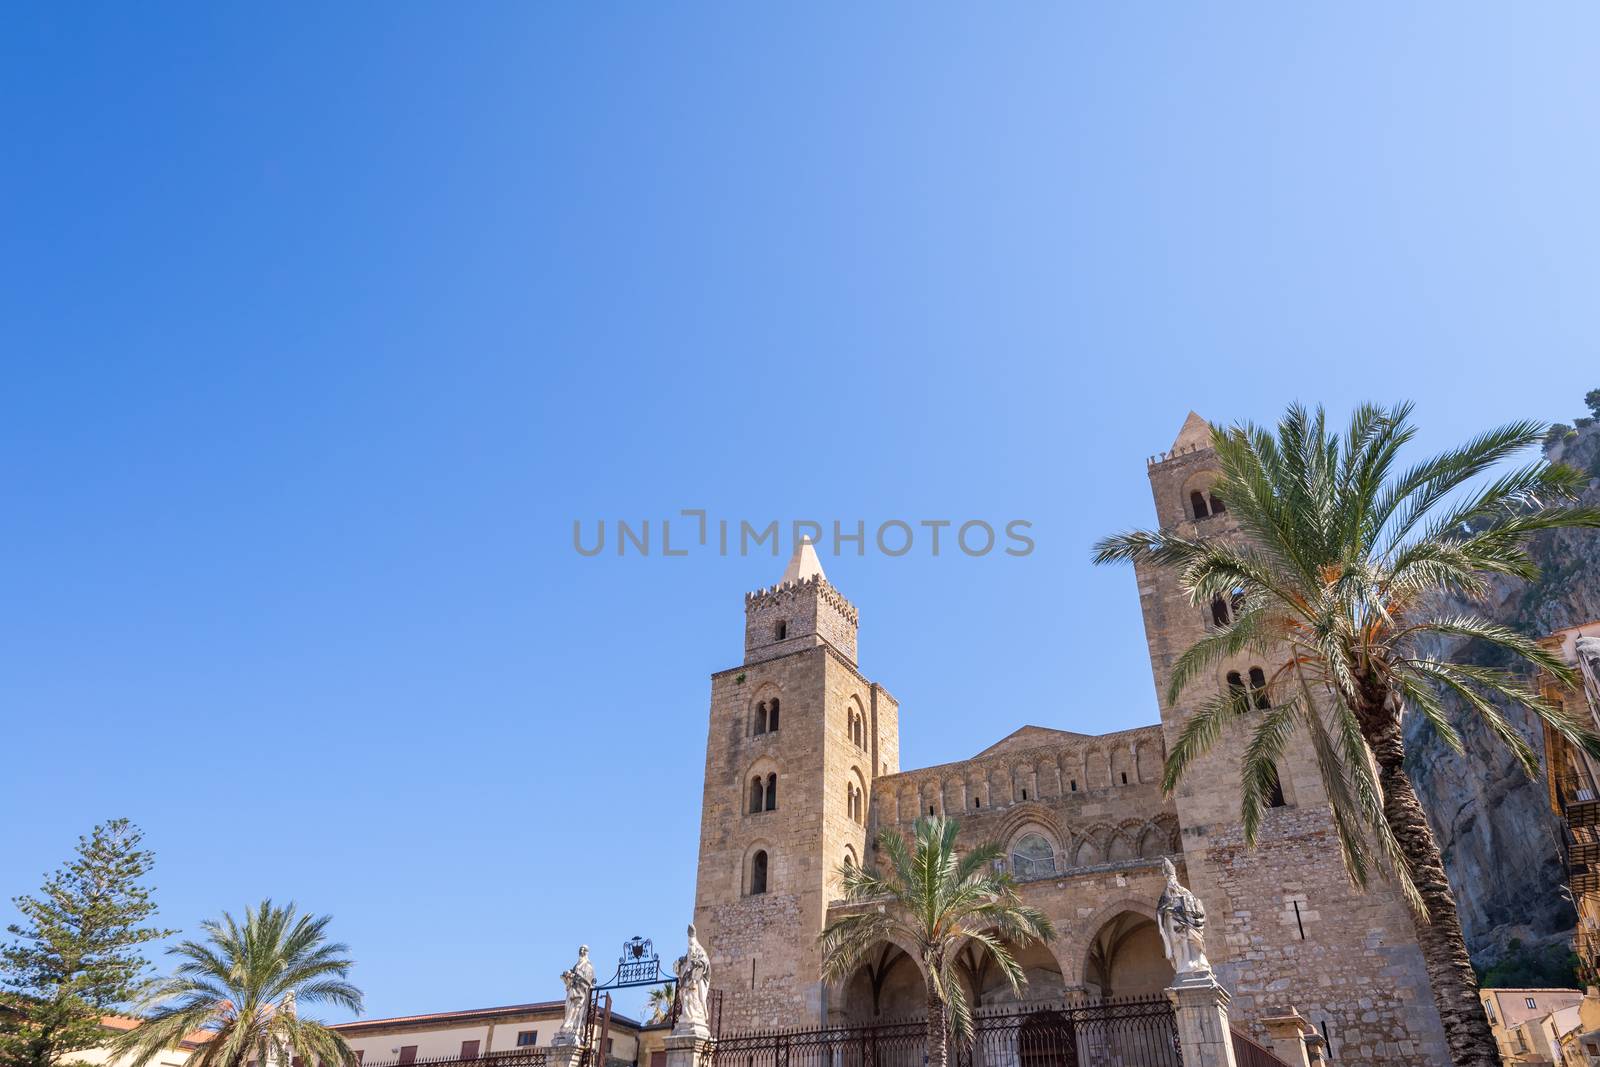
(803, 564)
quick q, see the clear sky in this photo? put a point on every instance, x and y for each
(322, 325)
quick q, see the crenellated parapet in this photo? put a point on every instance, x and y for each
(784, 593)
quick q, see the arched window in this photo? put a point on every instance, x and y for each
(758, 872)
(849, 858)
(780, 631)
(772, 715)
(761, 718)
(1275, 797)
(1197, 501)
(1258, 687)
(1236, 687)
(1219, 612)
(757, 795)
(1033, 857)
(1216, 504)
(772, 791)
(855, 802)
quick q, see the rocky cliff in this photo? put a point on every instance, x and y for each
(1501, 842)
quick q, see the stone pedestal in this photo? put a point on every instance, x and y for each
(1288, 1034)
(1202, 1013)
(690, 1048)
(568, 1054)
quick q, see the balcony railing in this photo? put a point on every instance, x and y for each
(1579, 798)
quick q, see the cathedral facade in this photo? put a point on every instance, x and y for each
(803, 774)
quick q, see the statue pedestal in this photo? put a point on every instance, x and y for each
(569, 1054)
(1201, 1005)
(689, 1048)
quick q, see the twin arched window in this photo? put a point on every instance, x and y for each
(764, 793)
(855, 804)
(856, 726)
(758, 872)
(1205, 504)
(767, 716)
(1257, 693)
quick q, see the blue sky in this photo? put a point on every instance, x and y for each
(322, 325)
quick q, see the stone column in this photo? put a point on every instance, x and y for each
(1202, 1011)
(1287, 1033)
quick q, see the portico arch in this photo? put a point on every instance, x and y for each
(1120, 951)
(887, 984)
(987, 986)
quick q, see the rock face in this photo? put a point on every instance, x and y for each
(1501, 842)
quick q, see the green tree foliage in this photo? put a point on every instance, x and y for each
(660, 1003)
(242, 987)
(933, 900)
(1592, 399)
(76, 954)
(1524, 967)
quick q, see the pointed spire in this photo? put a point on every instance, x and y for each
(1196, 433)
(803, 564)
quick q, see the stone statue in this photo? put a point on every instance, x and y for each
(579, 980)
(694, 984)
(1182, 921)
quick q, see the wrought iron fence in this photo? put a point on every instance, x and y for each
(1138, 1032)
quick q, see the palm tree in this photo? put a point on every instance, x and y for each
(934, 899)
(240, 989)
(1338, 575)
(660, 1003)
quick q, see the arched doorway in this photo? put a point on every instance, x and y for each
(1125, 958)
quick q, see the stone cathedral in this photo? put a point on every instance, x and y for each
(803, 774)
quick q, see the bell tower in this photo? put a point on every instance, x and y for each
(1283, 908)
(796, 736)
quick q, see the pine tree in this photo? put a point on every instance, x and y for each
(76, 955)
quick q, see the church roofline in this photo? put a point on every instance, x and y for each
(1076, 740)
(1019, 731)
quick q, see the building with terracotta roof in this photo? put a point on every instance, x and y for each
(478, 1034)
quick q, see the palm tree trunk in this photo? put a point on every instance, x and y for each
(1444, 950)
(938, 1047)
